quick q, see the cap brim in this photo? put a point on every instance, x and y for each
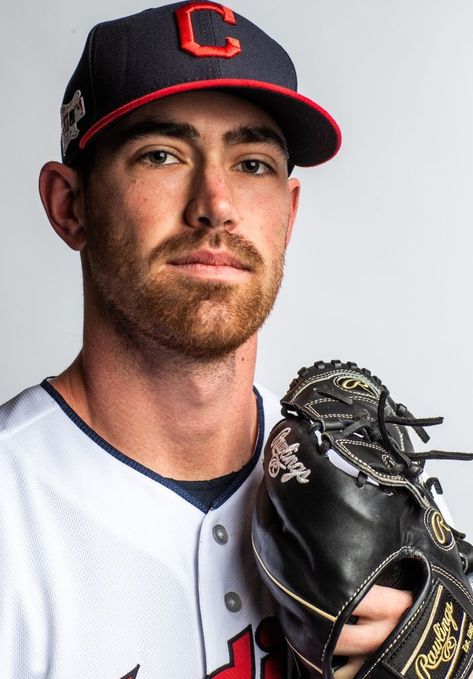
(312, 135)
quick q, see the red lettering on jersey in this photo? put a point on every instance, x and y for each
(270, 638)
(242, 658)
(232, 46)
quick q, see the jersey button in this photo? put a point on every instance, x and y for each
(220, 534)
(233, 602)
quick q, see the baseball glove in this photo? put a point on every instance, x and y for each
(344, 505)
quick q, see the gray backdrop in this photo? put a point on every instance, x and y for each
(379, 267)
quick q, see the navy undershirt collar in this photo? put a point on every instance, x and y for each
(204, 498)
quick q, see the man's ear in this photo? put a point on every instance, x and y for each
(294, 192)
(62, 197)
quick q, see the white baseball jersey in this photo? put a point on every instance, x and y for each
(109, 571)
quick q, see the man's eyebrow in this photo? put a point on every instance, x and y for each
(150, 127)
(244, 134)
(249, 134)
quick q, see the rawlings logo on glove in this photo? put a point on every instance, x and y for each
(283, 456)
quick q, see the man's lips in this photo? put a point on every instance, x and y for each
(208, 259)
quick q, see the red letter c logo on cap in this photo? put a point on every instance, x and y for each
(232, 46)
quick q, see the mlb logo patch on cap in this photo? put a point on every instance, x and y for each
(71, 113)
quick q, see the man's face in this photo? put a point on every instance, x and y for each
(188, 212)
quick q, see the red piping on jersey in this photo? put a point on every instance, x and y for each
(204, 85)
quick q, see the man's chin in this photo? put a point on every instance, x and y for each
(206, 336)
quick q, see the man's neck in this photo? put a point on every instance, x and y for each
(182, 418)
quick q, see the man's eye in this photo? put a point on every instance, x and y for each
(160, 157)
(255, 167)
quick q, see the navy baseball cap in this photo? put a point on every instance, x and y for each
(183, 47)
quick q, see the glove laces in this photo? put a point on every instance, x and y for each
(413, 462)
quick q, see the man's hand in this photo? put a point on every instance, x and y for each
(378, 614)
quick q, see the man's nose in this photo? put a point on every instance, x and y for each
(211, 203)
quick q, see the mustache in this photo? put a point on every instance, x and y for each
(186, 243)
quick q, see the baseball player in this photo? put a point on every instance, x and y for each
(127, 482)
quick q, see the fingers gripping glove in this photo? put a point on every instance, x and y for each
(343, 505)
